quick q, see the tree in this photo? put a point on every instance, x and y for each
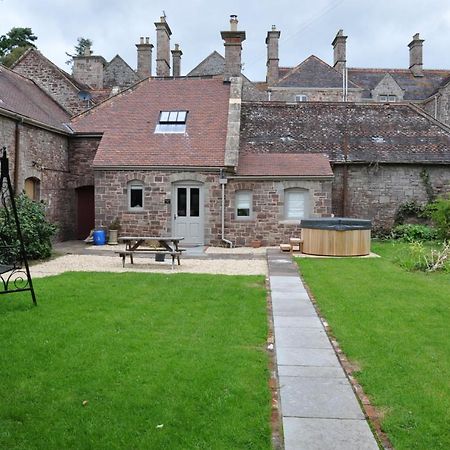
(80, 48)
(14, 43)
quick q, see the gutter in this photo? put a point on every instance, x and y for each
(29, 121)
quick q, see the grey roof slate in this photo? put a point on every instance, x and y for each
(369, 133)
(213, 64)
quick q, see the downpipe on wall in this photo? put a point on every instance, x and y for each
(223, 181)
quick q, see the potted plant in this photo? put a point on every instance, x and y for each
(114, 231)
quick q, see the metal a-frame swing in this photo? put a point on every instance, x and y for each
(14, 270)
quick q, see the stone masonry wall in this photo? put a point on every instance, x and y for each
(42, 155)
(376, 192)
(82, 152)
(314, 95)
(51, 80)
(439, 107)
(267, 224)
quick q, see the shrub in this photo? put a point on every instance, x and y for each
(411, 233)
(439, 212)
(418, 257)
(36, 230)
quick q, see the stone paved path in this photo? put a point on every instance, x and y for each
(318, 406)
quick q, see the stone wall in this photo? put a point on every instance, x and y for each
(118, 73)
(82, 152)
(49, 78)
(439, 106)
(376, 192)
(267, 223)
(314, 95)
(43, 155)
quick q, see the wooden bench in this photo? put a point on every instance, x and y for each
(154, 251)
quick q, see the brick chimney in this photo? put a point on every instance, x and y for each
(162, 48)
(272, 56)
(176, 61)
(144, 58)
(339, 48)
(415, 56)
(89, 69)
(233, 47)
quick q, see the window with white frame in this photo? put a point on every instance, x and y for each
(243, 204)
(295, 204)
(301, 98)
(135, 195)
(171, 122)
(388, 98)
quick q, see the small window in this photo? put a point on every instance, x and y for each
(33, 189)
(243, 204)
(295, 204)
(135, 196)
(301, 98)
(171, 122)
(388, 98)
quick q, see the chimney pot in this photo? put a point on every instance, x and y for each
(147, 40)
(141, 40)
(233, 22)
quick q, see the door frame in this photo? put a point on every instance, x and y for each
(174, 204)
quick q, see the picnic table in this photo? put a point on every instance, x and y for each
(165, 245)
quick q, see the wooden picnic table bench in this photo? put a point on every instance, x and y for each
(167, 245)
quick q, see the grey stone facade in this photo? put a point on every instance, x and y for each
(119, 73)
(376, 191)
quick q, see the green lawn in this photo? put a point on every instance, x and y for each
(395, 326)
(160, 362)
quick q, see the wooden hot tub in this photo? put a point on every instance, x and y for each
(336, 236)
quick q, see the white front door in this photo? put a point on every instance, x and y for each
(187, 213)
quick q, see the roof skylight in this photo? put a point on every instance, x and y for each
(171, 122)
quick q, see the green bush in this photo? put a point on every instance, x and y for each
(412, 233)
(439, 212)
(36, 231)
(422, 258)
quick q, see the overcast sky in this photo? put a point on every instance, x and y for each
(378, 31)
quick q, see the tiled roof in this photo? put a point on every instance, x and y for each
(373, 133)
(22, 96)
(284, 164)
(416, 88)
(128, 122)
(312, 73)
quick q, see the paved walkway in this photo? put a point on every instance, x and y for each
(318, 406)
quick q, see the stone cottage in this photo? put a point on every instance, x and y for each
(216, 157)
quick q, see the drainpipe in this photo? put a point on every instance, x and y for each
(223, 181)
(345, 176)
(16, 158)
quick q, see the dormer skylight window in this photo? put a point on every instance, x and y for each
(171, 122)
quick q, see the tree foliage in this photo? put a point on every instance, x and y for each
(14, 43)
(80, 48)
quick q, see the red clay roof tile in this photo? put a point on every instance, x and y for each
(128, 122)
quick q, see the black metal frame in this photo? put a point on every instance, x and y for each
(14, 276)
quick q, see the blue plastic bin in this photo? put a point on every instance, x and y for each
(99, 237)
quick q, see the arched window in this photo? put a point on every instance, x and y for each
(295, 204)
(33, 188)
(135, 195)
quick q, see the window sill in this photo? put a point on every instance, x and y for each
(290, 222)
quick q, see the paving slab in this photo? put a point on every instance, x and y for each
(292, 308)
(297, 322)
(327, 434)
(311, 372)
(302, 338)
(319, 357)
(331, 398)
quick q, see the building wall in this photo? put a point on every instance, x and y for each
(314, 95)
(51, 80)
(439, 106)
(266, 225)
(117, 73)
(82, 152)
(43, 155)
(376, 192)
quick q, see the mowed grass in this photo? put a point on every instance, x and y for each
(134, 361)
(395, 326)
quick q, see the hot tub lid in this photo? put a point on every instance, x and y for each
(336, 223)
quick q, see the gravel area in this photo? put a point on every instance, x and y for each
(97, 263)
